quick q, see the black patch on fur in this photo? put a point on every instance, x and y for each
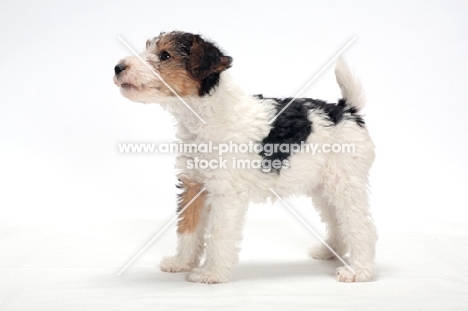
(203, 59)
(183, 42)
(208, 84)
(293, 126)
(206, 62)
(351, 113)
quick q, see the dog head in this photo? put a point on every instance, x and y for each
(183, 62)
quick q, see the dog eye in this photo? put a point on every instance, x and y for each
(164, 56)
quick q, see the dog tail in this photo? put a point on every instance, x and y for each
(351, 89)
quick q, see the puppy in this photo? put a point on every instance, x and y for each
(188, 76)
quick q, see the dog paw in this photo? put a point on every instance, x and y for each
(175, 264)
(344, 274)
(320, 252)
(208, 276)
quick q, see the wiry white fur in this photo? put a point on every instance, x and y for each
(351, 88)
(190, 248)
(336, 182)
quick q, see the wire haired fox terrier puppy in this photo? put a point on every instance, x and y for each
(211, 221)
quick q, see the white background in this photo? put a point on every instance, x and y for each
(61, 116)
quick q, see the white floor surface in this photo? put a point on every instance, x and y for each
(74, 267)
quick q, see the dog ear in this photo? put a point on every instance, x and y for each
(205, 58)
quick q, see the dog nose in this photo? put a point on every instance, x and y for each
(119, 68)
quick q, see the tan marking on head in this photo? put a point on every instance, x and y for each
(174, 70)
(192, 67)
(190, 218)
(206, 58)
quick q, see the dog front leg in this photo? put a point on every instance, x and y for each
(225, 223)
(190, 229)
